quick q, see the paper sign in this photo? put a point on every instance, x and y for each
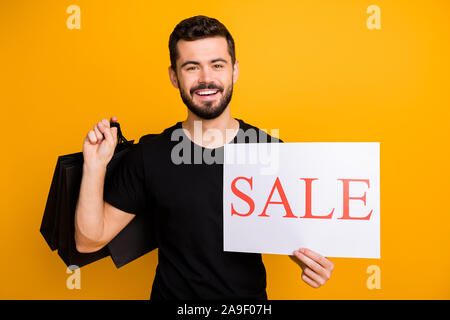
(279, 197)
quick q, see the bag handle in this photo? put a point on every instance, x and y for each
(120, 138)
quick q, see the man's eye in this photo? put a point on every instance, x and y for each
(218, 66)
(191, 68)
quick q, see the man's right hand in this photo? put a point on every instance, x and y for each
(99, 144)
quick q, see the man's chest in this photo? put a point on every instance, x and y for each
(186, 192)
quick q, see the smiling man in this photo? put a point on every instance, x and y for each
(184, 198)
(205, 99)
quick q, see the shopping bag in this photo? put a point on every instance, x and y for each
(50, 220)
(58, 222)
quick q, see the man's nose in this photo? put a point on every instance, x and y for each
(205, 75)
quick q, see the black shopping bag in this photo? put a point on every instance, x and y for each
(49, 223)
(58, 222)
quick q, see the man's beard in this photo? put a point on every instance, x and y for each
(207, 110)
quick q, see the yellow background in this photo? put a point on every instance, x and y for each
(311, 69)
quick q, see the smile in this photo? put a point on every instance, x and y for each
(206, 93)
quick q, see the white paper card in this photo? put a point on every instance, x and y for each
(279, 197)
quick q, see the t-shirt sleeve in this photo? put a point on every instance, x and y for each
(125, 185)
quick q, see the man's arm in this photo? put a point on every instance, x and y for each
(96, 221)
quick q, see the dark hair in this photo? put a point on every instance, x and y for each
(198, 27)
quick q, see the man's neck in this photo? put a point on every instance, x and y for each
(212, 133)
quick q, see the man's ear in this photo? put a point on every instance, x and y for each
(235, 71)
(173, 77)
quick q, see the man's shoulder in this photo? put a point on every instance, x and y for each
(251, 134)
(157, 137)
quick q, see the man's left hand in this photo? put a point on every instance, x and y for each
(316, 268)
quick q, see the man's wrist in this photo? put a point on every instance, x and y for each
(94, 169)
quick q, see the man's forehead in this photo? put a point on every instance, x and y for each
(203, 50)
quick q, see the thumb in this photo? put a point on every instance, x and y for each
(114, 134)
(111, 135)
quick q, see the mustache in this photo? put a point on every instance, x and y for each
(206, 86)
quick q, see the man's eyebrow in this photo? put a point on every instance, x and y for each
(219, 59)
(189, 62)
(197, 63)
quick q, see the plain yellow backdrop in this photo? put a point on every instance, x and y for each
(311, 69)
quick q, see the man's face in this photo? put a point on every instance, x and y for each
(205, 76)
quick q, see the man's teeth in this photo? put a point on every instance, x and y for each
(204, 93)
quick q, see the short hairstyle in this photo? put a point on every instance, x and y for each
(198, 27)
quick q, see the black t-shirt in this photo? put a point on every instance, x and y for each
(186, 201)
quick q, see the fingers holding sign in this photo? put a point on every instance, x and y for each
(316, 268)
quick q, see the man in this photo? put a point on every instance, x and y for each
(184, 197)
